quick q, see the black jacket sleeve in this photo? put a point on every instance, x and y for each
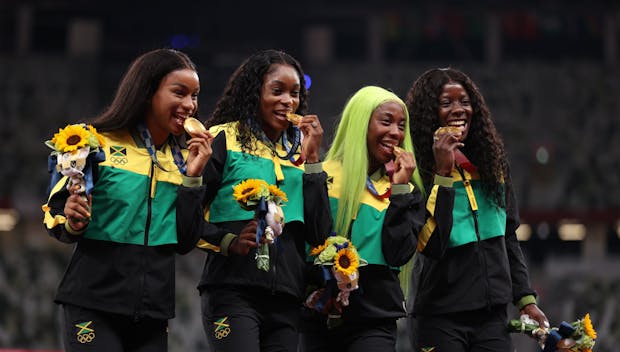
(317, 213)
(192, 201)
(189, 210)
(403, 220)
(434, 237)
(55, 209)
(518, 270)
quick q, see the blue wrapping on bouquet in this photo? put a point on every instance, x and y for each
(92, 160)
(262, 253)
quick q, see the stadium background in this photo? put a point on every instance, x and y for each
(548, 69)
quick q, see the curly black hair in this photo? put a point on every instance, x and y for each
(240, 100)
(484, 146)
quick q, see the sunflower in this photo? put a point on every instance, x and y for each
(250, 189)
(96, 139)
(70, 138)
(588, 327)
(278, 195)
(318, 249)
(346, 261)
(339, 241)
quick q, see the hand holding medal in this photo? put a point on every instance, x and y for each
(199, 146)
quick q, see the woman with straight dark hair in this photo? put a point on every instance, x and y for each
(118, 291)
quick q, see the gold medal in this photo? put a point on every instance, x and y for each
(193, 126)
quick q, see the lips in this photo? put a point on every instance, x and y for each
(280, 114)
(387, 147)
(179, 120)
(460, 124)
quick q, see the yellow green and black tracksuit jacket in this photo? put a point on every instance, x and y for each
(482, 264)
(124, 261)
(211, 211)
(384, 232)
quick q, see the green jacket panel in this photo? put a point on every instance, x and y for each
(241, 166)
(126, 183)
(491, 218)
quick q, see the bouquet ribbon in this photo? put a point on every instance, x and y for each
(262, 254)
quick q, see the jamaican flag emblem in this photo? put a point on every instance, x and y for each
(86, 333)
(222, 328)
(118, 155)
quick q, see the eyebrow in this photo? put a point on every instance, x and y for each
(277, 81)
(182, 85)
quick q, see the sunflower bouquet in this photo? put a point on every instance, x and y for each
(578, 336)
(340, 262)
(75, 150)
(266, 201)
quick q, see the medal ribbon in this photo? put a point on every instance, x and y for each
(462, 161)
(175, 149)
(290, 152)
(389, 169)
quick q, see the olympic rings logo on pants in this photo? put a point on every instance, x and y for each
(222, 328)
(222, 333)
(86, 338)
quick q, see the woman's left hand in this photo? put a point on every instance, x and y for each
(310, 126)
(404, 165)
(199, 152)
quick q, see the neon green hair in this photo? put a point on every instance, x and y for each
(350, 149)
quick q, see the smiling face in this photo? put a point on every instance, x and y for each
(386, 129)
(279, 95)
(175, 100)
(455, 108)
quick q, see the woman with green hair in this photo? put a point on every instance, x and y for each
(376, 203)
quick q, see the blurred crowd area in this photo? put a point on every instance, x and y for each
(559, 121)
(549, 70)
(570, 108)
(31, 266)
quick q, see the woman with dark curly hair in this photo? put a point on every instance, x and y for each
(247, 308)
(461, 297)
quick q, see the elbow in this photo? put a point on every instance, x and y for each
(434, 249)
(398, 263)
(398, 256)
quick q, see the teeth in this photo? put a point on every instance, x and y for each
(457, 123)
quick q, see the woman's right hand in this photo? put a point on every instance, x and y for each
(199, 152)
(404, 165)
(443, 149)
(77, 209)
(246, 241)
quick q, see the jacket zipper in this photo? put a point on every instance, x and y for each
(481, 257)
(275, 266)
(138, 309)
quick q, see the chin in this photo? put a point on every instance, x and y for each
(176, 131)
